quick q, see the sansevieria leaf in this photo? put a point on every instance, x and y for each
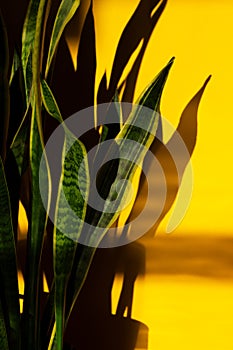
(15, 66)
(28, 37)
(50, 102)
(18, 145)
(65, 12)
(8, 266)
(133, 142)
(4, 88)
(37, 224)
(72, 197)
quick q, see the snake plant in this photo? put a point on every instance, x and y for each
(31, 109)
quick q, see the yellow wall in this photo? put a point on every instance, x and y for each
(186, 298)
(199, 35)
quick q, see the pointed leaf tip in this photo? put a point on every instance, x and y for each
(172, 60)
(207, 80)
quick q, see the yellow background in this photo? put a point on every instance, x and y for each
(186, 296)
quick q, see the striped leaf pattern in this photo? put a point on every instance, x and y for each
(70, 210)
(38, 220)
(28, 37)
(143, 136)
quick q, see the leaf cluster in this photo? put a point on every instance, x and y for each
(31, 107)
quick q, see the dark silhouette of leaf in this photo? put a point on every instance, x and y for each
(139, 27)
(4, 89)
(173, 157)
(8, 266)
(74, 90)
(86, 64)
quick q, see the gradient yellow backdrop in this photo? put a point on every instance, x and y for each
(186, 297)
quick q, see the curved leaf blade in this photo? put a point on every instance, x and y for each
(15, 66)
(4, 88)
(38, 220)
(50, 102)
(65, 244)
(126, 170)
(70, 190)
(130, 153)
(65, 12)
(28, 37)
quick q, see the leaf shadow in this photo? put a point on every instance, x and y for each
(139, 27)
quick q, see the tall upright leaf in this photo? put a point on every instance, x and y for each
(8, 265)
(28, 37)
(65, 12)
(4, 88)
(38, 213)
(143, 137)
(69, 198)
(140, 127)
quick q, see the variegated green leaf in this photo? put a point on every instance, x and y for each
(18, 145)
(50, 102)
(140, 127)
(65, 12)
(70, 200)
(15, 66)
(65, 243)
(8, 266)
(28, 37)
(135, 151)
(38, 220)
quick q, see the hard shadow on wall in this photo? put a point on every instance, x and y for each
(92, 314)
(92, 324)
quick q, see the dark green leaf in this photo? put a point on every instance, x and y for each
(143, 136)
(28, 37)
(66, 11)
(70, 210)
(8, 266)
(4, 88)
(140, 127)
(18, 145)
(50, 102)
(15, 66)
(37, 224)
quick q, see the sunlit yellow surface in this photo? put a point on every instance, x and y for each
(192, 307)
(199, 35)
(192, 310)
